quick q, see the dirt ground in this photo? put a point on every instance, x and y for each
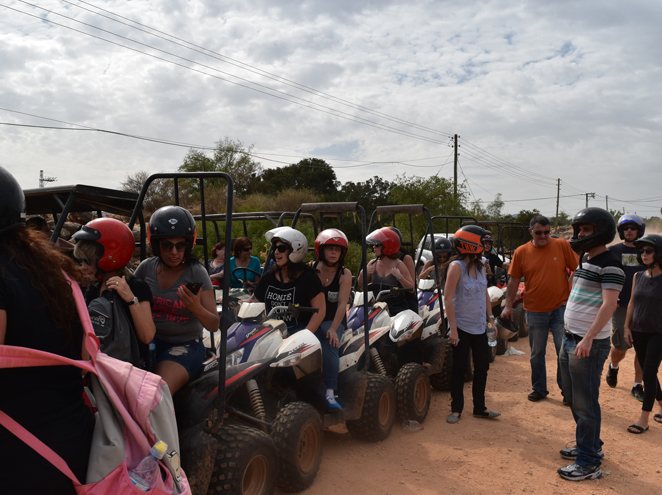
(517, 453)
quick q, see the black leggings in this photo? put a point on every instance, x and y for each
(648, 347)
(480, 352)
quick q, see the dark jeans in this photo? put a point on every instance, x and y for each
(540, 324)
(581, 385)
(480, 352)
(330, 364)
(648, 347)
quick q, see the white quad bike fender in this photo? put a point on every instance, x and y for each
(404, 326)
(250, 310)
(358, 298)
(301, 351)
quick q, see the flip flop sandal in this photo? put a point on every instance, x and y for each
(453, 418)
(637, 429)
(657, 418)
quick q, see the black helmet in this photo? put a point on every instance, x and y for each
(12, 202)
(653, 240)
(442, 245)
(171, 221)
(603, 232)
(631, 220)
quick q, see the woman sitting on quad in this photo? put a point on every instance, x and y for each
(184, 300)
(330, 250)
(216, 264)
(387, 271)
(104, 247)
(468, 308)
(248, 278)
(291, 281)
(38, 310)
(442, 253)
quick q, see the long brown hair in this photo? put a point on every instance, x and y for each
(44, 263)
(473, 258)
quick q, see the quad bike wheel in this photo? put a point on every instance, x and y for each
(378, 414)
(412, 392)
(245, 464)
(442, 380)
(297, 434)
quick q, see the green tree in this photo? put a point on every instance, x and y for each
(435, 192)
(369, 193)
(495, 208)
(311, 173)
(160, 192)
(230, 157)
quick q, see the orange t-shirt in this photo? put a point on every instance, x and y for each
(545, 270)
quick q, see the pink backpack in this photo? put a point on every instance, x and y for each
(134, 410)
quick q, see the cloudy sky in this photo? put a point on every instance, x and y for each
(535, 90)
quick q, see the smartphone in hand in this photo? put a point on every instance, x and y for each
(193, 286)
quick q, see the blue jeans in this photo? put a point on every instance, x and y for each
(581, 384)
(330, 363)
(539, 325)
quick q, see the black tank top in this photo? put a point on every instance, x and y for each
(647, 297)
(332, 294)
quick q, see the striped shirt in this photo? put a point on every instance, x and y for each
(592, 277)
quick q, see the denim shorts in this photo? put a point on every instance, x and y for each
(189, 354)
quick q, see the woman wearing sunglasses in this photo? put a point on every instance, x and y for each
(643, 326)
(249, 277)
(184, 300)
(291, 281)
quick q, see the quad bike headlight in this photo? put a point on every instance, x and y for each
(235, 358)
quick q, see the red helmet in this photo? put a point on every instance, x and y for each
(386, 238)
(331, 237)
(468, 239)
(114, 237)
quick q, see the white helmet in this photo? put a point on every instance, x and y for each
(294, 238)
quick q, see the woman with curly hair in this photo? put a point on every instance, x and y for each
(37, 310)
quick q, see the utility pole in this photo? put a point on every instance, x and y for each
(558, 195)
(455, 170)
(607, 202)
(43, 180)
(589, 195)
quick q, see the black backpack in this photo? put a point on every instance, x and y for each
(113, 325)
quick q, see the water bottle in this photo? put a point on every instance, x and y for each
(144, 475)
(491, 334)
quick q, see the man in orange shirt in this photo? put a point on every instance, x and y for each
(545, 263)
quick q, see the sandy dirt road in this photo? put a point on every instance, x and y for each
(515, 454)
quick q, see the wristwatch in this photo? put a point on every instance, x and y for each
(133, 301)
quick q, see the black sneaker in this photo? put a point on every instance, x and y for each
(570, 452)
(638, 392)
(575, 472)
(612, 376)
(536, 396)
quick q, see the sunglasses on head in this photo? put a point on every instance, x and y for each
(282, 248)
(179, 246)
(541, 233)
(647, 251)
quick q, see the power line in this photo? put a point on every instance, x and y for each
(275, 93)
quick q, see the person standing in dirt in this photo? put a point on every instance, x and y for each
(468, 307)
(595, 287)
(545, 263)
(38, 310)
(643, 326)
(630, 228)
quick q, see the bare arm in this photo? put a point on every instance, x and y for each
(401, 272)
(143, 323)
(627, 326)
(427, 269)
(452, 279)
(343, 297)
(316, 320)
(606, 310)
(202, 305)
(511, 292)
(409, 263)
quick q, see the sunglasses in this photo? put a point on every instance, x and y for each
(631, 227)
(541, 233)
(375, 246)
(282, 248)
(648, 251)
(167, 246)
